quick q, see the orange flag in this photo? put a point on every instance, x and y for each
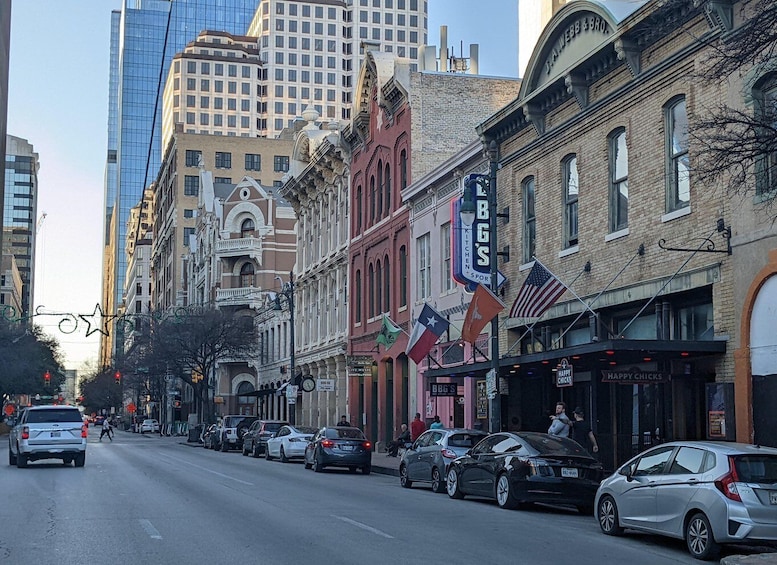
(484, 306)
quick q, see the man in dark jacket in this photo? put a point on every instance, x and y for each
(402, 439)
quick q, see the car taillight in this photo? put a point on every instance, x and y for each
(327, 443)
(727, 484)
(84, 431)
(367, 445)
(25, 432)
(539, 467)
(448, 454)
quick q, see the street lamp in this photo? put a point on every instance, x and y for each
(287, 291)
(468, 213)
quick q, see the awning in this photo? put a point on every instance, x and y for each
(263, 392)
(624, 351)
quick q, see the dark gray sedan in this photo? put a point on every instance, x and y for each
(427, 460)
(339, 447)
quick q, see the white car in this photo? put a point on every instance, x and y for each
(48, 432)
(289, 443)
(149, 425)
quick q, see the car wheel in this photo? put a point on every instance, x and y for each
(699, 538)
(11, 457)
(267, 453)
(438, 484)
(254, 451)
(452, 484)
(504, 493)
(21, 461)
(403, 478)
(224, 445)
(608, 516)
(317, 466)
(67, 461)
(308, 465)
(244, 451)
(367, 469)
(284, 459)
(80, 459)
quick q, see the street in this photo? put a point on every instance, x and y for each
(154, 500)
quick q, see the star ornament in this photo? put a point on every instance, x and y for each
(431, 321)
(97, 321)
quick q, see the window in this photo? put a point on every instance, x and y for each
(359, 210)
(387, 185)
(280, 163)
(529, 220)
(678, 190)
(371, 291)
(187, 235)
(386, 285)
(619, 181)
(423, 247)
(765, 96)
(253, 162)
(653, 462)
(188, 213)
(569, 173)
(246, 275)
(688, 460)
(372, 199)
(445, 248)
(379, 287)
(193, 157)
(191, 101)
(223, 160)
(403, 170)
(358, 303)
(695, 323)
(380, 189)
(247, 228)
(191, 185)
(402, 276)
(222, 180)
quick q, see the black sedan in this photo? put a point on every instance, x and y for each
(524, 467)
(339, 447)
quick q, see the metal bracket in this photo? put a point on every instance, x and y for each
(709, 246)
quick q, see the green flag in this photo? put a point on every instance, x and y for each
(388, 332)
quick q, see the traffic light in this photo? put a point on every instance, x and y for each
(177, 403)
(47, 378)
(117, 377)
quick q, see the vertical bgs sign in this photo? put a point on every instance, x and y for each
(471, 245)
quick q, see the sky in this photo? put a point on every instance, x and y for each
(58, 101)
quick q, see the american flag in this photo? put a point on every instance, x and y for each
(538, 293)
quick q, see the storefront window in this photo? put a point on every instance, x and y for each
(643, 327)
(695, 323)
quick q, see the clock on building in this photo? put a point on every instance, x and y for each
(308, 384)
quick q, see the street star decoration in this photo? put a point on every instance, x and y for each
(100, 322)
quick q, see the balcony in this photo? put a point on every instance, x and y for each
(249, 296)
(251, 246)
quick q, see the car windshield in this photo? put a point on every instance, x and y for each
(544, 444)
(464, 440)
(344, 433)
(756, 468)
(56, 415)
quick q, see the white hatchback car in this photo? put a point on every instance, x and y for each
(289, 443)
(704, 492)
(149, 425)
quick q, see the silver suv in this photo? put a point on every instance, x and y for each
(48, 432)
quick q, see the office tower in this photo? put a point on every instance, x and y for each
(5, 47)
(312, 50)
(145, 35)
(20, 210)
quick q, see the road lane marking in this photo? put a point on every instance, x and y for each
(208, 470)
(150, 530)
(363, 526)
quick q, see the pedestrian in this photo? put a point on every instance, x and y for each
(343, 423)
(436, 425)
(582, 432)
(417, 427)
(106, 429)
(403, 440)
(559, 422)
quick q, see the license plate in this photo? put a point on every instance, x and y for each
(570, 473)
(346, 447)
(773, 497)
(54, 434)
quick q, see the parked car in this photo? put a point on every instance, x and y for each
(255, 439)
(707, 493)
(48, 432)
(149, 425)
(232, 430)
(428, 458)
(339, 447)
(289, 443)
(524, 467)
(209, 436)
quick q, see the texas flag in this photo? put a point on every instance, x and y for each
(427, 330)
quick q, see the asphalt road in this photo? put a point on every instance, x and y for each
(148, 500)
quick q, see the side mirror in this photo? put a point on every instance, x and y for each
(626, 472)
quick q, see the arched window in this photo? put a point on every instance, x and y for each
(529, 219)
(402, 276)
(247, 275)
(403, 170)
(247, 228)
(387, 184)
(372, 199)
(380, 189)
(371, 291)
(678, 179)
(386, 285)
(571, 189)
(359, 209)
(378, 287)
(245, 404)
(358, 302)
(619, 180)
(765, 97)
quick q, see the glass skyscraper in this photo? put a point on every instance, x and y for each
(145, 35)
